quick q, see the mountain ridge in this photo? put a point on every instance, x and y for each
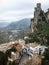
(21, 24)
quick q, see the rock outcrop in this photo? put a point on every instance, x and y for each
(36, 60)
(40, 17)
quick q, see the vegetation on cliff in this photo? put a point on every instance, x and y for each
(41, 36)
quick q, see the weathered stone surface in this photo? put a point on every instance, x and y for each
(36, 60)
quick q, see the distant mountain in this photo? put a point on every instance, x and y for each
(3, 24)
(22, 24)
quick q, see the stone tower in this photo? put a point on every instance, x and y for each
(36, 14)
(34, 21)
(40, 19)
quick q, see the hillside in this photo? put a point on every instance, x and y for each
(22, 24)
(4, 24)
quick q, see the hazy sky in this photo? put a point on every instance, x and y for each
(12, 10)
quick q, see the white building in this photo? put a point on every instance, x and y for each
(39, 48)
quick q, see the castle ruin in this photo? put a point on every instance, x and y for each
(39, 17)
